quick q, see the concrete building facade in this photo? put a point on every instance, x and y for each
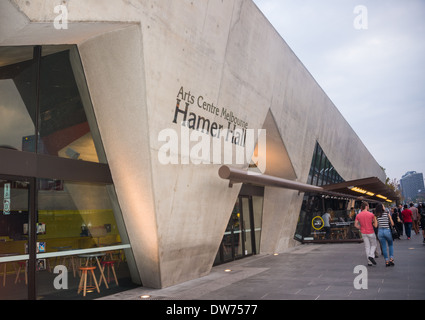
(149, 66)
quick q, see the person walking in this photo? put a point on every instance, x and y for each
(422, 217)
(327, 225)
(407, 215)
(385, 222)
(399, 210)
(365, 221)
(397, 222)
(415, 218)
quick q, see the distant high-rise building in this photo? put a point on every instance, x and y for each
(412, 183)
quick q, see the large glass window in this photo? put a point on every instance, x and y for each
(54, 220)
(321, 170)
(14, 198)
(79, 224)
(17, 97)
(65, 118)
(66, 124)
(325, 218)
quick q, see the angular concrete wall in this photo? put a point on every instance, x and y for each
(114, 69)
(140, 58)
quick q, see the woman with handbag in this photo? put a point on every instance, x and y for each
(385, 223)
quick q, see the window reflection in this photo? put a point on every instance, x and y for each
(66, 120)
(79, 220)
(321, 170)
(80, 215)
(64, 130)
(17, 108)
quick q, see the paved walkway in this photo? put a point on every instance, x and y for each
(307, 272)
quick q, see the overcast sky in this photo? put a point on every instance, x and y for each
(374, 76)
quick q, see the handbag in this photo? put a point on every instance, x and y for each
(394, 233)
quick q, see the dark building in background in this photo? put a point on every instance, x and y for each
(412, 183)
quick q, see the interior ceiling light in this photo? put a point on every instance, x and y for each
(359, 190)
(363, 191)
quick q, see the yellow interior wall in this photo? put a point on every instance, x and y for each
(63, 228)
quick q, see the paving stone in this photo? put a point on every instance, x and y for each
(307, 272)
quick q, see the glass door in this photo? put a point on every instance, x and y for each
(14, 221)
(243, 231)
(245, 236)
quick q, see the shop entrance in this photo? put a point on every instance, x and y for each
(242, 236)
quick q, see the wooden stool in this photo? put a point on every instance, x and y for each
(110, 265)
(22, 265)
(83, 280)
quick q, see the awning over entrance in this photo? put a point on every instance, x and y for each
(369, 189)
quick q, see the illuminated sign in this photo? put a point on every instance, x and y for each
(317, 223)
